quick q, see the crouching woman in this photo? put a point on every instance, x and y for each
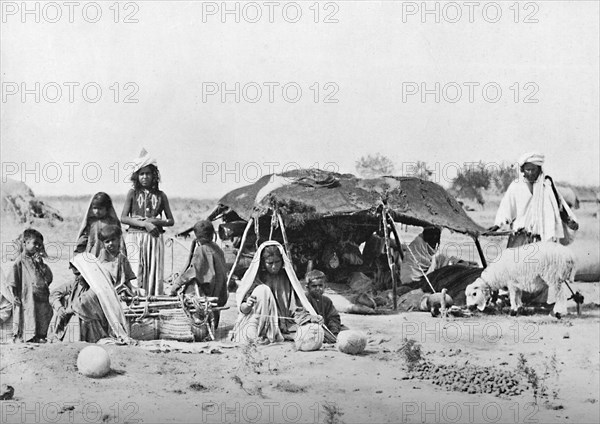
(91, 298)
(270, 299)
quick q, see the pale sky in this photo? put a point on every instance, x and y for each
(373, 56)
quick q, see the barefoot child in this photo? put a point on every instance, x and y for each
(315, 283)
(100, 213)
(143, 211)
(28, 280)
(115, 262)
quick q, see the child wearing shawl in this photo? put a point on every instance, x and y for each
(100, 213)
(143, 211)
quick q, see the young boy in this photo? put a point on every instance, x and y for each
(28, 280)
(115, 262)
(315, 283)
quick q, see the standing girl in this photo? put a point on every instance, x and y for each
(100, 213)
(143, 212)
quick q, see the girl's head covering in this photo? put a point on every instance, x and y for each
(102, 200)
(111, 214)
(270, 252)
(252, 271)
(143, 160)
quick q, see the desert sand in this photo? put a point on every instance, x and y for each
(158, 382)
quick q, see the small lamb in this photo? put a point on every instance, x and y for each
(527, 268)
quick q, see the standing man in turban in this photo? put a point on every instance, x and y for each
(531, 207)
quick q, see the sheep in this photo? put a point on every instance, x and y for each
(530, 268)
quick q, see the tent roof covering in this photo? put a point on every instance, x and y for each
(314, 194)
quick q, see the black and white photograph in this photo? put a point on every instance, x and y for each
(309, 211)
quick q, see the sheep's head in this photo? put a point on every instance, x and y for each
(477, 293)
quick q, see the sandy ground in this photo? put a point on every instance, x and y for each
(276, 384)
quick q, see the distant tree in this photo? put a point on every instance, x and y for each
(476, 175)
(472, 179)
(419, 170)
(374, 166)
(503, 176)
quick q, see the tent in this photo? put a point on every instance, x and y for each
(313, 203)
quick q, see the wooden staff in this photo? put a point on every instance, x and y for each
(285, 239)
(389, 254)
(396, 236)
(480, 251)
(239, 253)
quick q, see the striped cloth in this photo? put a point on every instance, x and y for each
(146, 256)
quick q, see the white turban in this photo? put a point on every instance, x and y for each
(143, 160)
(535, 158)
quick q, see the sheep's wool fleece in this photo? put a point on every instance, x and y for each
(351, 342)
(309, 337)
(551, 262)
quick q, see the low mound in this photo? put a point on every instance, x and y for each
(19, 202)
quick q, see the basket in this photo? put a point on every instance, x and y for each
(144, 329)
(175, 325)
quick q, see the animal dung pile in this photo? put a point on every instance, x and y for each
(470, 378)
(93, 361)
(351, 342)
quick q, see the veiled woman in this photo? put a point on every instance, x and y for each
(270, 299)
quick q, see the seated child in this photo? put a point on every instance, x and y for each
(315, 283)
(206, 272)
(114, 261)
(27, 281)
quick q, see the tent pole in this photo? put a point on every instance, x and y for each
(285, 239)
(390, 259)
(273, 224)
(239, 253)
(396, 236)
(480, 251)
